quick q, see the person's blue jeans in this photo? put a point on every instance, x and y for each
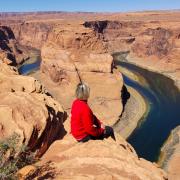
(108, 132)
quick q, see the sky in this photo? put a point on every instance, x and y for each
(87, 5)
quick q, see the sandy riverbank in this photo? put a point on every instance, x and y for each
(135, 110)
(169, 159)
(156, 66)
(170, 152)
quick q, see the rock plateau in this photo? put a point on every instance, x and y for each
(75, 47)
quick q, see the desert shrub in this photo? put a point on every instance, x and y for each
(13, 157)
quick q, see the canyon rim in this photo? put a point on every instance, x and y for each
(37, 106)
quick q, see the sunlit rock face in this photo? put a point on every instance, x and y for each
(171, 155)
(105, 159)
(33, 116)
(73, 52)
(32, 34)
(149, 43)
(25, 109)
(66, 47)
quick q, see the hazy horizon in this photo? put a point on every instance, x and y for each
(100, 6)
(138, 11)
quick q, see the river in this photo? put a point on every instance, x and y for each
(31, 65)
(164, 115)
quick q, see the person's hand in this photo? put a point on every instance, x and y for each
(102, 126)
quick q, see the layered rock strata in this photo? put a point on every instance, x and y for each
(151, 44)
(74, 53)
(38, 119)
(170, 157)
(150, 39)
(105, 159)
(25, 109)
(10, 51)
(33, 33)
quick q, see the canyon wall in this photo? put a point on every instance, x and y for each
(149, 40)
(32, 34)
(28, 110)
(74, 53)
(107, 159)
(69, 51)
(25, 107)
(154, 39)
(151, 44)
(171, 154)
(11, 52)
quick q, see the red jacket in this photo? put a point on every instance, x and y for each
(83, 122)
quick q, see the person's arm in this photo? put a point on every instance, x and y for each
(88, 122)
(97, 122)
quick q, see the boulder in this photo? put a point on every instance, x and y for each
(100, 159)
(37, 118)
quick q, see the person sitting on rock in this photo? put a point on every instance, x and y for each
(84, 124)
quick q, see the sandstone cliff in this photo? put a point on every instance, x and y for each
(72, 51)
(105, 159)
(151, 39)
(148, 43)
(26, 110)
(171, 154)
(10, 50)
(39, 120)
(32, 34)
(143, 39)
(151, 44)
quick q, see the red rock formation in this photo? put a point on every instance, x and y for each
(155, 42)
(11, 81)
(77, 37)
(32, 34)
(33, 116)
(28, 111)
(171, 154)
(151, 44)
(152, 38)
(118, 35)
(99, 160)
(73, 50)
(10, 51)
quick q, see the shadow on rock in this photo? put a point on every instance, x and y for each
(54, 130)
(125, 95)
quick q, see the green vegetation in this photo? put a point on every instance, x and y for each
(13, 157)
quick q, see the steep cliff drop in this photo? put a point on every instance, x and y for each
(170, 157)
(25, 106)
(79, 47)
(58, 71)
(148, 43)
(25, 102)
